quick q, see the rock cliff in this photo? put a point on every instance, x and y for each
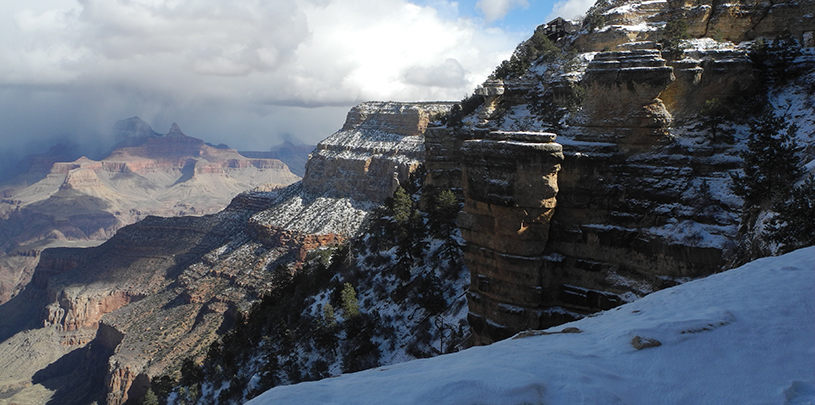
(640, 198)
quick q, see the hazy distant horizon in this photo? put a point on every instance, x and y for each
(247, 73)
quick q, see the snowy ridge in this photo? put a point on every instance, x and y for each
(744, 336)
(362, 145)
(298, 210)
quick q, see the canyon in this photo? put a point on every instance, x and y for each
(83, 202)
(162, 289)
(587, 182)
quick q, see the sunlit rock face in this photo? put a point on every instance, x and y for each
(736, 21)
(622, 96)
(379, 146)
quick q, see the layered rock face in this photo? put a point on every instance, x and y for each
(376, 150)
(622, 92)
(736, 21)
(84, 202)
(510, 184)
(350, 173)
(642, 190)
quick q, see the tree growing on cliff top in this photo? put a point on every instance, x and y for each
(539, 46)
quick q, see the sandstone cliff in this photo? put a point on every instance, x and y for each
(641, 200)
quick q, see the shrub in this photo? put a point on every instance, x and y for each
(673, 34)
(538, 47)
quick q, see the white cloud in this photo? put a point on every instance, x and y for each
(497, 9)
(87, 63)
(570, 8)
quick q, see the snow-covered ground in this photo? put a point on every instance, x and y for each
(745, 336)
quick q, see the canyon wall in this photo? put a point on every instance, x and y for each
(642, 191)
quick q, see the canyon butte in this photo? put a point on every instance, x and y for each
(587, 175)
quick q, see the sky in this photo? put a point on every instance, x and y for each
(248, 73)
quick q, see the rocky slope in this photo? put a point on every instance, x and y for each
(162, 289)
(83, 202)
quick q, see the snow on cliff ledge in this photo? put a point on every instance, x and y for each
(745, 336)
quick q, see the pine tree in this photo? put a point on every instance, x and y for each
(674, 32)
(794, 226)
(713, 115)
(329, 319)
(771, 166)
(442, 220)
(150, 398)
(350, 305)
(402, 206)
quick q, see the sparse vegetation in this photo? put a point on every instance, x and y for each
(538, 47)
(594, 20)
(466, 107)
(294, 333)
(771, 170)
(673, 34)
(771, 166)
(713, 116)
(774, 59)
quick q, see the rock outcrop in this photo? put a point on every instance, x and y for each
(510, 185)
(374, 152)
(622, 101)
(736, 21)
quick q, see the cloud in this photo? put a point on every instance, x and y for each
(497, 9)
(241, 72)
(570, 8)
(450, 73)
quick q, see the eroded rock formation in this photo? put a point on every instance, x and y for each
(376, 150)
(510, 185)
(642, 199)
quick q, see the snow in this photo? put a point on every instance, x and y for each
(297, 210)
(744, 336)
(691, 233)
